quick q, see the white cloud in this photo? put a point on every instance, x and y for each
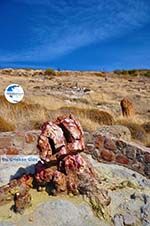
(58, 30)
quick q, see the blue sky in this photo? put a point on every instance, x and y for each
(75, 34)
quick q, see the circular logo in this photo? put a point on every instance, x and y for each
(14, 93)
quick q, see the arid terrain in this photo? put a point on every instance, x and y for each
(89, 94)
(121, 160)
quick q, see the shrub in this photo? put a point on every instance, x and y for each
(117, 72)
(147, 74)
(133, 72)
(121, 72)
(49, 71)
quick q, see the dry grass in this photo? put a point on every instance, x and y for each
(98, 97)
(94, 115)
(41, 105)
(49, 102)
(147, 140)
(6, 126)
(31, 113)
(138, 133)
(22, 114)
(88, 125)
(146, 126)
(90, 118)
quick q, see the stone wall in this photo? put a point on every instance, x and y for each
(104, 149)
(19, 143)
(121, 152)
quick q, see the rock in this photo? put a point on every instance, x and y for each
(12, 151)
(124, 220)
(121, 144)
(114, 131)
(127, 107)
(147, 157)
(133, 196)
(96, 154)
(14, 143)
(145, 210)
(86, 90)
(147, 169)
(120, 198)
(146, 223)
(88, 137)
(118, 220)
(129, 219)
(107, 155)
(99, 141)
(109, 144)
(22, 201)
(146, 198)
(122, 159)
(130, 152)
(89, 148)
(30, 138)
(5, 142)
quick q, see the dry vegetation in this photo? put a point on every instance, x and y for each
(46, 98)
(6, 126)
(22, 115)
(133, 73)
(95, 115)
(30, 115)
(137, 130)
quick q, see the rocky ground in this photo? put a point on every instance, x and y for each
(129, 191)
(130, 203)
(103, 91)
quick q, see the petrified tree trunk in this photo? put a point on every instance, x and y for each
(61, 169)
(127, 107)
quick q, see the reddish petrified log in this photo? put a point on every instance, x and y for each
(61, 137)
(51, 141)
(22, 200)
(127, 107)
(61, 169)
(20, 185)
(73, 133)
